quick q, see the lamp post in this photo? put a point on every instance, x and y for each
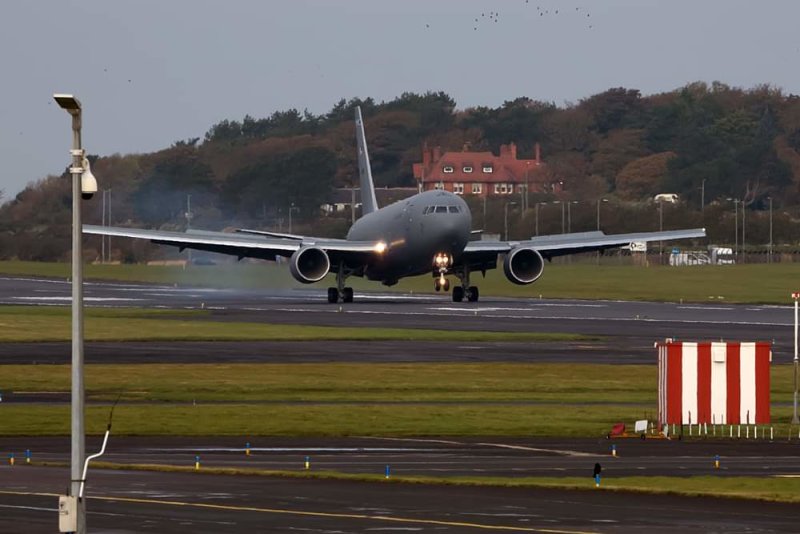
(660, 229)
(78, 450)
(291, 209)
(703, 197)
(744, 227)
(505, 218)
(795, 419)
(769, 258)
(599, 200)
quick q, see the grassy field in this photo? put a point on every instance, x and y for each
(36, 324)
(349, 399)
(757, 283)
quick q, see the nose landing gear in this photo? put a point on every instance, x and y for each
(441, 263)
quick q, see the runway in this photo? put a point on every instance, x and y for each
(442, 457)
(136, 501)
(631, 328)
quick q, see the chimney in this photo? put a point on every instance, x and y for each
(503, 151)
(512, 148)
(437, 153)
(426, 156)
(537, 154)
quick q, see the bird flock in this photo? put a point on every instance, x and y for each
(489, 18)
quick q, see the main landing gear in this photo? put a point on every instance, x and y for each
(465, 290)
(340, 292)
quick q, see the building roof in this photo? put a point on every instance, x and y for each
(505, 167)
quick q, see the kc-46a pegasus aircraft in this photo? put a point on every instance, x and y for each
(428, 233)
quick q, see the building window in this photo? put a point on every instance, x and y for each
(487, 169)
(510, 188)
(477, 189)
(448, 169)
(503, 189)
(439, 186)
(467, 170)
(458, 188)
(496, 189)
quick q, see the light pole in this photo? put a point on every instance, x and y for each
(78, 450)
(599, 200)
(795, 420)
(744, 227)
(769, 258)
(703, 197)
(736, 227)
(660, 229)
(189, 216)
(291, 209)
(505, 218)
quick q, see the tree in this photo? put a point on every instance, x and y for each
(643, 177)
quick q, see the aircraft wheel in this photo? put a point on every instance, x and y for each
(458, 294)
(436, 285)
(347, 294)
(473, 294)
(446, 285)
(333, 295)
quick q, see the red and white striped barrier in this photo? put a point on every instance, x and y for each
(713, 383)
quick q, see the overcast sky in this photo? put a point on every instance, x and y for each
(152, 72)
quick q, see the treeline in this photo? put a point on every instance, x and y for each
(722, 142)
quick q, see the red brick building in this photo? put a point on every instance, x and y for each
(480, 173)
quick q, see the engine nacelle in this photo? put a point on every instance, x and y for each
(523, 265)
(309, 265)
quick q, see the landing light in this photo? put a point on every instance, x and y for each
(380, 247)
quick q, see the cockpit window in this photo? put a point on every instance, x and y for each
(453, 209)
(441, 209)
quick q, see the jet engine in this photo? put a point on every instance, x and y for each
(309, 265)
(523, 265)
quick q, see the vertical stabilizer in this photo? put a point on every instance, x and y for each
(368, 201)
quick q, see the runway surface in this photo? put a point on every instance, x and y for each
(502, 457)
(135, 501)
(631, 327)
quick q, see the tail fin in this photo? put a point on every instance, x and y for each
(368, 201)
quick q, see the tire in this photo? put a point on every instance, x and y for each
(473, 294)
(436, 285)
(333, 295)
(446, 285)
(458, 294)
(347, 294)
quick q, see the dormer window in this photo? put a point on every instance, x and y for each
(447, 169)
(487, 169)
(467, 169)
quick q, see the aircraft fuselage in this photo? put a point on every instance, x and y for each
(415, 230)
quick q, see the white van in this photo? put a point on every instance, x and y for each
(672, 198)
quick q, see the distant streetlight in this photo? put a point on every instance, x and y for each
(505, 218)
(569, 215)
(703, 197)
(81, 187)
(769, 257)
(563, 216)
(744, 227)
(537, 215)
(660, 229)
(599, 200)
(291, 209)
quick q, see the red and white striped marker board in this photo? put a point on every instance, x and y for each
(713, 382)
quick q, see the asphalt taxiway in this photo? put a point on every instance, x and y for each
(137, 501)
(631, 328)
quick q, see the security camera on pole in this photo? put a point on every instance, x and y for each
(795, 420)
(72, 508)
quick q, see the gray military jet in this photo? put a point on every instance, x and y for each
(428, 233)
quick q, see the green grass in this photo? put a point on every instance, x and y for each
(260, 399)
(756, 283)
(362, 382)
(37, 324)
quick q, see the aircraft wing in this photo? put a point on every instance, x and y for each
(242, 245)
(550, 246)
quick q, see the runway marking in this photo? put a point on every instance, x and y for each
(282, 511)
(534, 449)
(87, 299)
